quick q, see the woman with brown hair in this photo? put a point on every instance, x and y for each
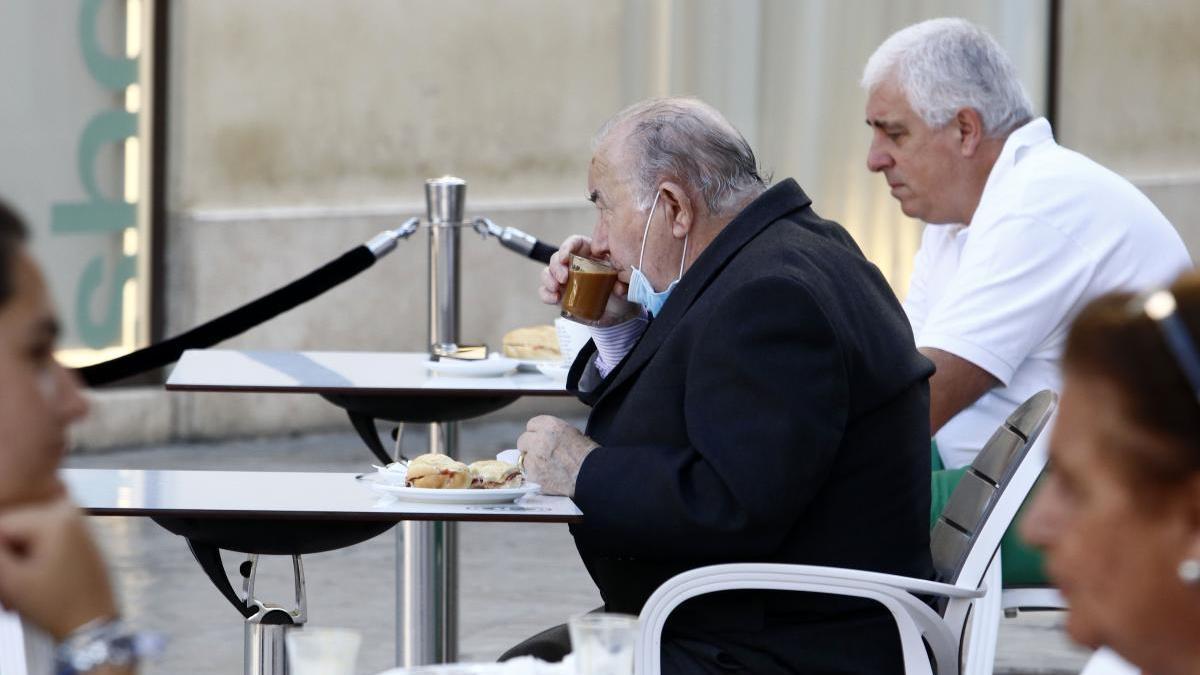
(51, 573)
(1118, 513)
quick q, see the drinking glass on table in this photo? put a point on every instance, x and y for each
(602, 644)
(322, 651)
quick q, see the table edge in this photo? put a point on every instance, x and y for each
(328, 516)
(365, 391)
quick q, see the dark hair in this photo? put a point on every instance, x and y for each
(1115, 339)
(12, 234)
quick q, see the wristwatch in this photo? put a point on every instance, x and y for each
(102, 642)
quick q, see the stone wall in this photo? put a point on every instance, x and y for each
(1129, 89)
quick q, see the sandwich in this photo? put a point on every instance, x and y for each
(489, 474)
(438, 472)
(535, 343)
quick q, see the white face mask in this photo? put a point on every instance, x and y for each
(640, 290)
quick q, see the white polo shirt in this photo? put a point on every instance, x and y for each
(1053, 231)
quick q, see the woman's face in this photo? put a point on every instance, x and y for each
(1113, 545)
(38, 398)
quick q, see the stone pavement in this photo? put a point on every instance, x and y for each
(514, 579)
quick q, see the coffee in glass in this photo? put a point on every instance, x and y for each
(589, 283)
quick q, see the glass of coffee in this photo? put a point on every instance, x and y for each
(589, 283)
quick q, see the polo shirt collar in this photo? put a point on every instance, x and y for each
(1029, 135)
(1015, 147)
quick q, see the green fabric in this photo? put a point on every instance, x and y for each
(1022, 564)
(935, 459)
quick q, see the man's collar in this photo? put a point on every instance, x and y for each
(1032, 133)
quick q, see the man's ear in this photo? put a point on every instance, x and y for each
(679, 207)
(970, 131)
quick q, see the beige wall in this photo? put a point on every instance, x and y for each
(329, 102)
(1129, 95)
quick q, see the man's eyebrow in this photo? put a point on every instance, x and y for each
(884, 124)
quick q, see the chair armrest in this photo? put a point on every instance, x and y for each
(841, 574)
(914, 619)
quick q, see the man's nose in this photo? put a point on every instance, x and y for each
(878, 160)
(599, 241)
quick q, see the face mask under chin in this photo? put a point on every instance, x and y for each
(640, 290)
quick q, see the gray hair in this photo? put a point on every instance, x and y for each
(687, 140)
(945, 65)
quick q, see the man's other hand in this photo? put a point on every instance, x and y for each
(553, 451)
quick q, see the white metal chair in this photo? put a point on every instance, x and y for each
(964, 544)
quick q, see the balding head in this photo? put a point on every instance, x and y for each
(686, 141)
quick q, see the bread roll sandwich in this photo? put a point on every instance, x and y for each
(438, 472)
(489, 474)
(539, 343)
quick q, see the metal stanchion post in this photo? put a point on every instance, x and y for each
(429, 590)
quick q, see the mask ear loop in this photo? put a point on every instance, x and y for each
(646, 230)
(1161, 307)
(684, 258)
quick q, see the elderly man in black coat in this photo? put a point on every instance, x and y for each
(756, 397)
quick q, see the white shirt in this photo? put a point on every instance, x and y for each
(1053, 231)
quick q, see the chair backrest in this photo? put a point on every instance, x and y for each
(958, 534)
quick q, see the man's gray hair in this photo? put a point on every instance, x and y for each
(945, 65)
(686, 140)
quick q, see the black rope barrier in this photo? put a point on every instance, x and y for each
(259, 311)
(233, 323)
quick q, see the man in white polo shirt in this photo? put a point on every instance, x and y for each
(1021, 232)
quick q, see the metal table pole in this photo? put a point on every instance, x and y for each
(428, 584)
(428, 587)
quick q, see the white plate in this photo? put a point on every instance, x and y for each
(489, 367)
(454, 496)
(555, 371)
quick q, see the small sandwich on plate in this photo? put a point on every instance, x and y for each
(534, 343)
(437, 472)
(490, 474)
